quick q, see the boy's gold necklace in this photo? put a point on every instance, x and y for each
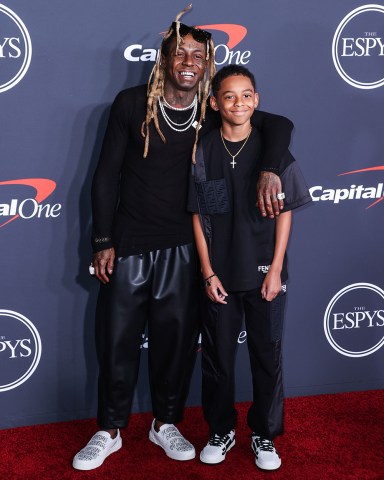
(233, 163)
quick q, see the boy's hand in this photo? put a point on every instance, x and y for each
(216, 291)
(271, 286)
(268, 188)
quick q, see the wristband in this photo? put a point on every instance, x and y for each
(207, 282)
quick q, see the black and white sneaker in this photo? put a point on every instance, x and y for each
(267, 457)
(217, 448)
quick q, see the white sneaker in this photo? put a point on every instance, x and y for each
(172, 442)
(96, 451)
(217, 448)
(267, 457)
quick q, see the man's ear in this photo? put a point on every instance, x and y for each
(256, 99)
(213, 102)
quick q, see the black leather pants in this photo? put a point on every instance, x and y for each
(220, 331)
(159, 288)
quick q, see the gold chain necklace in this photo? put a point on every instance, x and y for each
(233, 163)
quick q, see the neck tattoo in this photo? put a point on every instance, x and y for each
(178, 109)
(178, 127)
(233, 163)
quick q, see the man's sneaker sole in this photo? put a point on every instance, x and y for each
(208, 461)
(174, 455)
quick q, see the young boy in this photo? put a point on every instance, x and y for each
(243, 264)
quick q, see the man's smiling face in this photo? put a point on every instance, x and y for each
(185, 67)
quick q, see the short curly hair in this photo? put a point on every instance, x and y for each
(230, 71)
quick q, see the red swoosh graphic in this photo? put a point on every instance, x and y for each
(369, 169)
(235, 32)
(374, 203)
(43, 186)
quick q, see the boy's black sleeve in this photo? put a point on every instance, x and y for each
(294, 184)
(276, 136)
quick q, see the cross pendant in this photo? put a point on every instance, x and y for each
(233, 163)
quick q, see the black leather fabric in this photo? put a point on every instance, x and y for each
(158, 289)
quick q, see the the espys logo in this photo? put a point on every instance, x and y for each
(224, 52)
(15, 49)
(354, 320)
(18, 205)
(358, 47)
(374, 193)
(20, 349)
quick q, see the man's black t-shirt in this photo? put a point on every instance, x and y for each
(150, 193)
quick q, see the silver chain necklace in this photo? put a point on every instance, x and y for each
(178, 109)
(174, 125)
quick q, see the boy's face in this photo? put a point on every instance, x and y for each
(236, 100)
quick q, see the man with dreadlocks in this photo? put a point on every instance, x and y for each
(142, 239)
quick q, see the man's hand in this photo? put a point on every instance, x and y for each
(103, 263)
(268, 187)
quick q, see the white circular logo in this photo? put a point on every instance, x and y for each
(358, 47)
(15, 49)
(20, 349)
(354, 320)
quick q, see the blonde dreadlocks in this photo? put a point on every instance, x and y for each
(156, 83)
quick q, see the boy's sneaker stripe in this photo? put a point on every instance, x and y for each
(217, 448)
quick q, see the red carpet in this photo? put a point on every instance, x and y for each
(327, 437)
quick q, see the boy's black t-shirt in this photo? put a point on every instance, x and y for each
(242, 241)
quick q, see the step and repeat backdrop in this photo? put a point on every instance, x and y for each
(61, 65)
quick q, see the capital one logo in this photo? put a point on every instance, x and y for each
(20, 349)
(373, 193)
(354, 320)
(18, 205)
(358, 47)
(224, 52)
(15, 49)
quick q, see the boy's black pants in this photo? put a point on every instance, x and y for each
(221, 327)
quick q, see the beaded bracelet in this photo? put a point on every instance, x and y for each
(207, 282)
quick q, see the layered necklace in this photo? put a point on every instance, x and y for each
(233, 163)
(178, 127)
